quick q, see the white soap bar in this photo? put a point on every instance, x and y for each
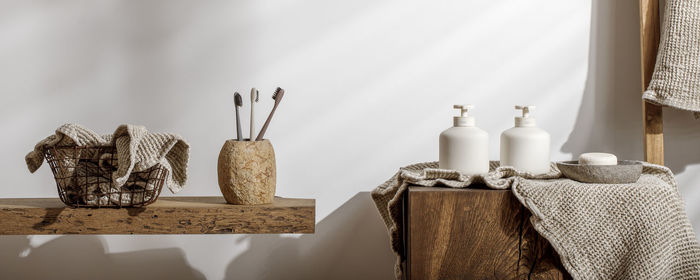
(597, 159)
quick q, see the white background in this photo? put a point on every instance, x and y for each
(370, 85)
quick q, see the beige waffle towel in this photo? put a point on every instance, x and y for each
(626, 231)
(676, 78)
(137, 150)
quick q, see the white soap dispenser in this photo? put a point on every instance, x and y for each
(464, 147)
(526, 146)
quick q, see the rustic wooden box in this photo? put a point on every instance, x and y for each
(473, 234)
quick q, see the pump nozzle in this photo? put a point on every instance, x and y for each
(464, 119)
(525, 119)
(526, 109)
(464, 109)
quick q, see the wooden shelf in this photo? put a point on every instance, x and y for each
(168, 215)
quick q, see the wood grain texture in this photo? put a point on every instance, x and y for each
(474, 234)
(168, 215)
(650, 30)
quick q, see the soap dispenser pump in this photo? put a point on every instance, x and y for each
(526, 146)
(464, 147)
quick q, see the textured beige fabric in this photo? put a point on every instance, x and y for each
(621, 231)
(628, 231)
(676, 78)
(137, 150)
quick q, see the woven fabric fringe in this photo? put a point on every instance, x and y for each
(625, 231)
(676, 78)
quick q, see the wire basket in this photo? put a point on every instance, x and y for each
(84, 177)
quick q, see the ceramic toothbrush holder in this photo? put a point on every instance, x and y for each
(247, 172)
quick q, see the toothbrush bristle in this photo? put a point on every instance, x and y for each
(237, 99)
(254, 95)
(277, 92)
(257, 95)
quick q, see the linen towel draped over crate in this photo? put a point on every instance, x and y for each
(136, 150)
(614, 231)
(676, 78)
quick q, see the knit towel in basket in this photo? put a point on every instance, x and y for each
(622, 231)
(137, 150)
(676, 78)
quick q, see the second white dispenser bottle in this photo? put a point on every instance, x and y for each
(525, 146)
(464, 147)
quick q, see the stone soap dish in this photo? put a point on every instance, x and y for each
(626, 171)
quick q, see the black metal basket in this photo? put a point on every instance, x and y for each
(84, 177)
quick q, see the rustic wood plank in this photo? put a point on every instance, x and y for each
(474, 234)
(168, 215)
(649, 28)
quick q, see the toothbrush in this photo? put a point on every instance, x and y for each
(254, 97)
(238, 101)
(279, 93)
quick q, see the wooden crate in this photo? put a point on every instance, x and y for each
(474, 234)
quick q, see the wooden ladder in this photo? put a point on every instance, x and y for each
(653, 124)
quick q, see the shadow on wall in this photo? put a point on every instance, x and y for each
(85, 257)
(351, 243)
(610, 111)
(610, 116)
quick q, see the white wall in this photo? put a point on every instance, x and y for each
(370, 85)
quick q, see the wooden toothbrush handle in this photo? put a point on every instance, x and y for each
(252, 120)
(239, 135)
(267, 122)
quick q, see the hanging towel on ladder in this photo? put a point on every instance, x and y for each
(676, 78)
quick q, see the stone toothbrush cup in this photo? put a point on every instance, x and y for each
(247, 172)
